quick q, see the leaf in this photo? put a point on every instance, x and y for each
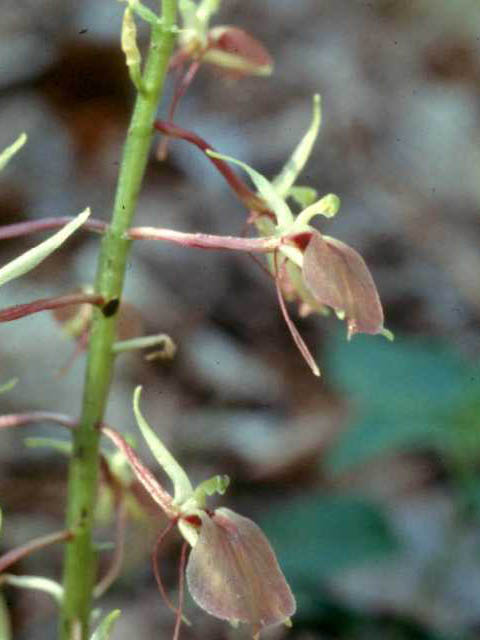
(31, 258)
(290, 172)
(413, 375)
(338, 277)
(104, 629)
(233, 574)
(380, 433)
(8, 153)
(266, 189)
(182, 486)
(402, 395)
(337, 533)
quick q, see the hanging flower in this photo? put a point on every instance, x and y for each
(320, 272)
(232, 572)
(226, 47)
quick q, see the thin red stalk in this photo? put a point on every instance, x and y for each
(246, 195)
(118, 555)
(156, 570)
(81, 345)
(21, 419)
(46, 224)
(297, 338)
(47, 304)
(145, 477)
(206, 241)
(181, 589)
(13, 556)
(180, 88)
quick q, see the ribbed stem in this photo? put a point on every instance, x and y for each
(80, 561)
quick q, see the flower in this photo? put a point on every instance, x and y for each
(225, 46)
(232, 572)
(320, 271)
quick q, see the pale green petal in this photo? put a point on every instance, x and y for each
(182, 486)
(206, 9)
(6, 386)
(31, 258)
(10, 151)
(104, 629)
(286, 178)
(60, 446)
(303, 196)
(188, 11)
(37, 583)
(327, 206)
(217, 484)
(266, 189)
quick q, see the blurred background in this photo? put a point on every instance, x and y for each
(366, 482)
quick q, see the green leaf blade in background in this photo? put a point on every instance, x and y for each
(317, 536)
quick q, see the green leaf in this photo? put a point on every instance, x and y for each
(380, 433)
(413, 375)
(401, 396)
(290, 172)
(104, 629)
(31, 258)
(8, 153)
(337, 532)
(182, 486)
(266, 189)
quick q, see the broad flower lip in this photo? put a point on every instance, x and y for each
(233, 574)
(337, 276)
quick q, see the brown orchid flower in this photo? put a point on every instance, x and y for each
(232, 572)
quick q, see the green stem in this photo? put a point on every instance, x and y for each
(80, 560)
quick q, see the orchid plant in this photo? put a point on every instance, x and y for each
(231, 572)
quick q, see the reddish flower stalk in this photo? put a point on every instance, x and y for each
(13, 556)
(46, 224)
(117, 559)
(207, 241)
(48, 304)
(156, 491)
(250, 199)
(22, 419)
